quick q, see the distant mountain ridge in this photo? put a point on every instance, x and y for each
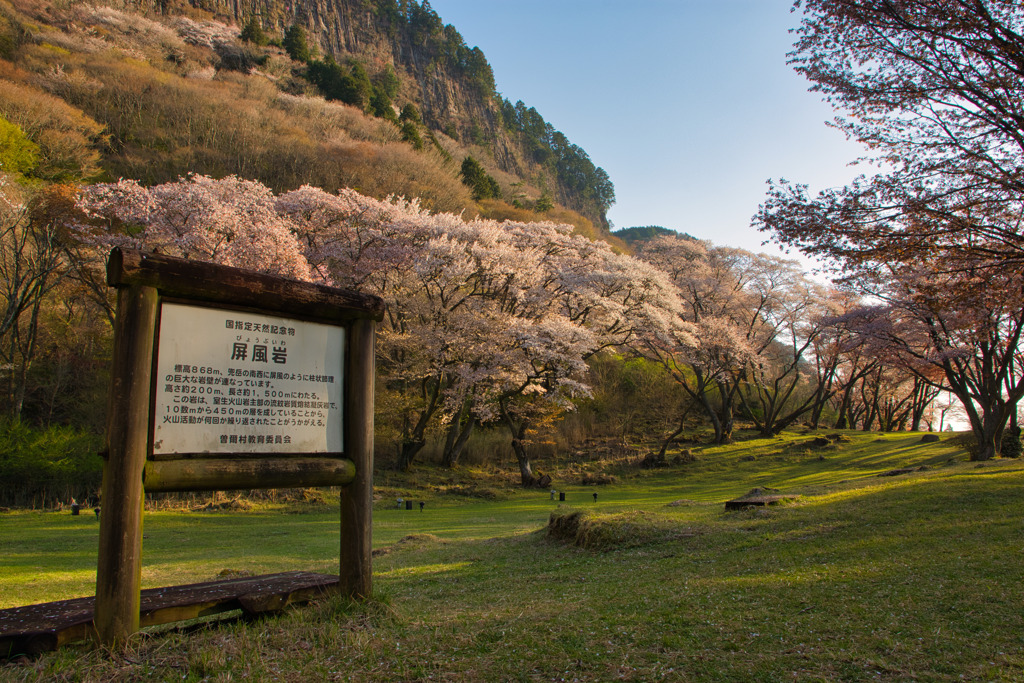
(646, 233)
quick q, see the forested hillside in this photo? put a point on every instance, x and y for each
(384, 100)
(374, 96)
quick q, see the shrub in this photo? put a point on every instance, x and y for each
(335, 82)
(381, 107)
(387, 82)
(410, 113)
(482, 184)
(66, 138)
(18, 154)
(47, 467)
(204, 33)
(1011, 445)
(240, 58)
(125, 29)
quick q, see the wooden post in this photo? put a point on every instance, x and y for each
(357, 498)
(119, 568)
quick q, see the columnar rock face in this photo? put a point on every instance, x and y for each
(360, 29)
(450, 84)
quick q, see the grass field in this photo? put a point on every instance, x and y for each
(910, 577)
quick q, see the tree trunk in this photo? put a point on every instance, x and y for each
(518, 432)
(763, 426)
(523, 459)
(823, 394)
(843, 417)
(727, 425)
(459, 432)
(407, 453)
(414, 439)
(988, 445)
(726, 395)
(28, 353)
(988, 420)
(712, 414)
(988, 431)
(673, 435)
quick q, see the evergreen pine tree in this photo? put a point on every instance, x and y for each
(478, 180)
(544, 202)
(253, 32)
(295, 44)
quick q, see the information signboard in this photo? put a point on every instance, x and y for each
(251, 383)
(228, 379)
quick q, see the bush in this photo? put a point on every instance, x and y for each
(350, 85)
(478, 180)
(42, 468)
(241, 58)
(411, 134)
(410, 113)
(65, 139)
(381, 107)
(387, 82)
(1011, 445)
(18, 154)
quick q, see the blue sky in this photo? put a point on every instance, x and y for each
(689, 105)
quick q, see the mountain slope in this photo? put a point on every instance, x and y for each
(177, 91)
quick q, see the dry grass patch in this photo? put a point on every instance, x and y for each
(410, 542)
(593, 531)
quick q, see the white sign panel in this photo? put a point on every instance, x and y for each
(231, 382)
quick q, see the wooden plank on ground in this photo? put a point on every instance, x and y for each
(32, 629)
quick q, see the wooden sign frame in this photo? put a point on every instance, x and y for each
(145, 281)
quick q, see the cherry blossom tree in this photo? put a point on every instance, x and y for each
(455, 292)
(935, 92)
(500, 315)
(229, 221)
(842, 359)
(789, 314)
(963, 322)
(753, 331)
(709, 344)
(382, 248)
(485, 321)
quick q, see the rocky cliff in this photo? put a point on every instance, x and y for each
(450, 83)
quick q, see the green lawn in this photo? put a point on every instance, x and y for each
(910, 577)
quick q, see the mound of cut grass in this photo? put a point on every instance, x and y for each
(410, 542)
(594, 531)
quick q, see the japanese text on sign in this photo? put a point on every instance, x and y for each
(230, 382)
